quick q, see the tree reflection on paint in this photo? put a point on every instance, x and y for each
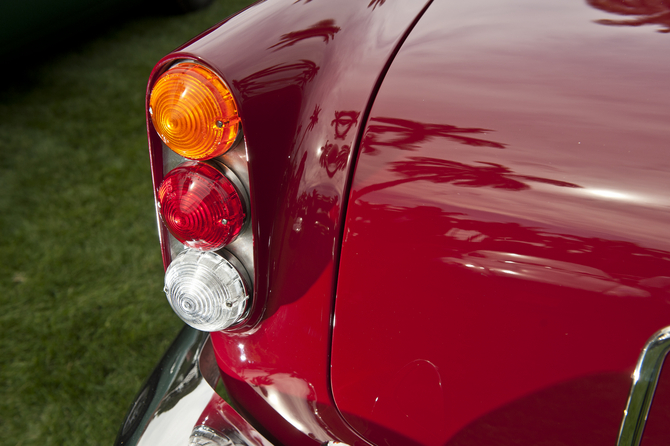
(454, 235)
(437, 170)
(314, 119)
(404, 134)
(324, 29)
(343, 122)
(334, 158)
(649, 12)
(277, 76)
(374, 3)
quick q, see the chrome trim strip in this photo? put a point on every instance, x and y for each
(175, 375)
(170, 407)
(645, 379)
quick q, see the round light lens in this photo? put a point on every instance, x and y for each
(193, 111)
(200, 206)
(205, 290)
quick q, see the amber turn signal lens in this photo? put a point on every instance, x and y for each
(193, 111)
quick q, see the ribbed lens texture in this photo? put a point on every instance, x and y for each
(193, 112)
(205, 290)
(200, 206)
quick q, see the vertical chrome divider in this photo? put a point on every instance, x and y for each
(645, 379)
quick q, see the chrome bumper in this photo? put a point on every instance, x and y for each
(179, 401)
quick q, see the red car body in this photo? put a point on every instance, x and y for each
(460, 222)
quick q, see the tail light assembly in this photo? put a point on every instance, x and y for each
(200, 172)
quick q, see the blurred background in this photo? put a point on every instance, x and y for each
(83, 317)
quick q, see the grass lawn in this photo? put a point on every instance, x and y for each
(83, 316)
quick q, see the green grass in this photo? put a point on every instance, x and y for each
(83, 318)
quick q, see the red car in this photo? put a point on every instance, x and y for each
(415, 223)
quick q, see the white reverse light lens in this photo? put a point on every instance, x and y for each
(205, 290)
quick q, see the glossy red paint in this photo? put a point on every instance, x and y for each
(302, 73)
(221, 417)
(506, 252)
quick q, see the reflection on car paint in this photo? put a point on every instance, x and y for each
(547, 271)
(649, 13)
(277, 76)
(374, 3)
(344, 121)
(333, 158)
(295, 400)
(404, 134)
(443, 171)
(324, 29)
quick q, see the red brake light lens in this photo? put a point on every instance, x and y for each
(200, 206)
